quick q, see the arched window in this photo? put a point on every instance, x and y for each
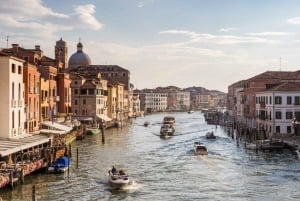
(13, 119)
(19, 119)
(13, 90)
(19, 92)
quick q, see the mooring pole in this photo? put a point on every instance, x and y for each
(33, 193)
(77, 158)
(103, 131)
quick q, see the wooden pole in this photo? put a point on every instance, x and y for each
(11, 177)
(33, 193)
(70, 151)
(77, 158)
(103, 131)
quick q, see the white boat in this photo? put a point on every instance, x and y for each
(251, 146)
(200, 149)
(169, 120)
(298, 153)
(167, 130)
(191, 112)
(210, 135)
(119, 179)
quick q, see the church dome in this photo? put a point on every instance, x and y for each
(79, 58)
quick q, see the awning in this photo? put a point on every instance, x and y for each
(48, 131)
(80, 118)
(104, 117)
(56, 126)
(10, 146)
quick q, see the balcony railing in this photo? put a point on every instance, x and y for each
(20, 103)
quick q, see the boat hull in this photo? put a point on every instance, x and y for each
(118, 181)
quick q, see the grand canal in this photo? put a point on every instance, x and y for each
(166, 169)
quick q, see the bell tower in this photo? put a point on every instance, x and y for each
(61, 53)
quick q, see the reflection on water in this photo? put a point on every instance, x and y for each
(166, 169)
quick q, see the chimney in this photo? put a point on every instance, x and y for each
(15, 47)
(37, 47)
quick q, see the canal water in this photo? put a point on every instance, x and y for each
(166, 169)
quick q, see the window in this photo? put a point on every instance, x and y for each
(20, 70)
(83, 101)
(289, 100)
(270, 99)
(84, 91)
(289, 129)
(13, 68)
(297, 115)
(75, 102)
(277, 129)
(278, 100)
(289, 115)
(75, 91)
(91, 91)
(278, 115)
(297, 100)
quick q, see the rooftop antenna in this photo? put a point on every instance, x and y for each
(280, 64)
(7, 41)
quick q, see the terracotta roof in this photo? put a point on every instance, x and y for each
(286, 86)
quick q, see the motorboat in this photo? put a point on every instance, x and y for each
(251, 146)
(298, 153)
(191, 112)
(169, 120)
(210, 135)
(146, 123)
(167, 130)
(118, 179)
(200, 149)
(61, 164)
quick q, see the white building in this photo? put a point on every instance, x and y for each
(156, 101)
(12, 106)
(277, 107)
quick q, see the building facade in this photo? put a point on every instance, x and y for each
(13, 112)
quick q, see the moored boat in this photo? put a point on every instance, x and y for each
(191, 112)
(118, 179)
(60, 165)
(298, 153)
(200, 149)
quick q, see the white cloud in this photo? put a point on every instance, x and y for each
(271, 34)
(142, 3)
(28, 9)
(217, 39)
(85, 15)
(228, 29)
(295, 20)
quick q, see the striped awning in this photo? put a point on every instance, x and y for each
(104, 117)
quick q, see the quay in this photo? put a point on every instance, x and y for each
(253, 138)
(22, 156)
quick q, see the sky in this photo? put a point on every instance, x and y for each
(184, 43)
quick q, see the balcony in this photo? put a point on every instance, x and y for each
(262, 105)
(13, 132)
(20, 103)
(13, 103)
(56, 99)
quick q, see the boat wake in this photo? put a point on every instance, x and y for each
(132, 186)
